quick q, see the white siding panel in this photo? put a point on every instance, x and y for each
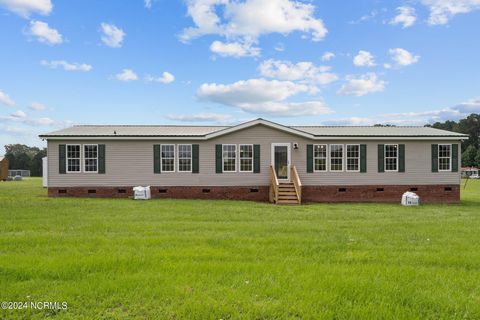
(130, 163)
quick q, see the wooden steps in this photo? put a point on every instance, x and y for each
(287, 194)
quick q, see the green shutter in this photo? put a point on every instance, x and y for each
(455, 157)
(309, 158)
(401, 158)
(195, 158)
(256, 158)
(363, 158)
(218, 158)
(381, 158)
(156, 159)
(101, 158)
(434, 157)
(62, 159)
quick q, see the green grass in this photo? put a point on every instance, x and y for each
(177, 259)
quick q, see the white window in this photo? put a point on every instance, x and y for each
(167, 156)
(73, 158)
(320, 157)
(90, 158)
(391, 157)
(444, 157)
(229, 157)
(246, 157)
(336, 157)
(185, 158)
(353, 157)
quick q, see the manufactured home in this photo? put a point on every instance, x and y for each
(256, 160)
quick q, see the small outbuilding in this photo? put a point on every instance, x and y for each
(19, 172)
(3, 168)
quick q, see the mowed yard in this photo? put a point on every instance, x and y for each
(184, 259)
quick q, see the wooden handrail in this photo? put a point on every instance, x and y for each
(273, 185)
(297, 183)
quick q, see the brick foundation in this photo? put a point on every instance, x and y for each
(256, 193)
(387, 193)
(376, 193)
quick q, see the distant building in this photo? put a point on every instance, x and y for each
(469, 171)
(22, 173)
(3, 168)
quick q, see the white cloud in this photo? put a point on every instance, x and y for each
(166, 78)
(234, 49)
(367, 17)
(364, 59)
(41, 122)
(44, 33)
(250, 19)
(352, 121)
(327, 56)
(304, 72)
(148, 3)
(67, 66)
(261, 96)
(19, 114)
(470, 106)
(362, 85)
(127, 75)
(402, 57)
(37, 106)
(6, 100)
(21, 117)
(201, 117)
(280, 47)
(406, 17)
(441, 11)
(249, 91)
(112, 36)
(25, 8)
(421, 118)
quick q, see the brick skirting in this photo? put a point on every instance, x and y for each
(386, 193)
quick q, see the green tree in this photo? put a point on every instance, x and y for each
(468, 157)
(477, 158)
(36, 167)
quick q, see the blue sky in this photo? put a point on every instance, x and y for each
(224, 61)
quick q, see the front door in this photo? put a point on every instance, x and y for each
(281, 160)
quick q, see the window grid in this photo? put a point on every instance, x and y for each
(353, 157)
(391, 157)
(73, 158)
(184, 158)
(246, 157)
(167, 155)
(336, 157)
(229, 157)
(320, 157)
(90, 156)
(444, 157)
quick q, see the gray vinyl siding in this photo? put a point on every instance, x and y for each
(130, 163)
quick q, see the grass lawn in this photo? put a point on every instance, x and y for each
(177, 259)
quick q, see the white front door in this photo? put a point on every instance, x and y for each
(281, 160)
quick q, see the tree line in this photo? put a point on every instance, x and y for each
(470, 147)
(23, 157)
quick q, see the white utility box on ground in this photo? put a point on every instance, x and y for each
(142, 193)
(410, 199)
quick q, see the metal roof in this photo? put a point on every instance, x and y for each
(134, 131)
(208, 132)
(371, 131)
